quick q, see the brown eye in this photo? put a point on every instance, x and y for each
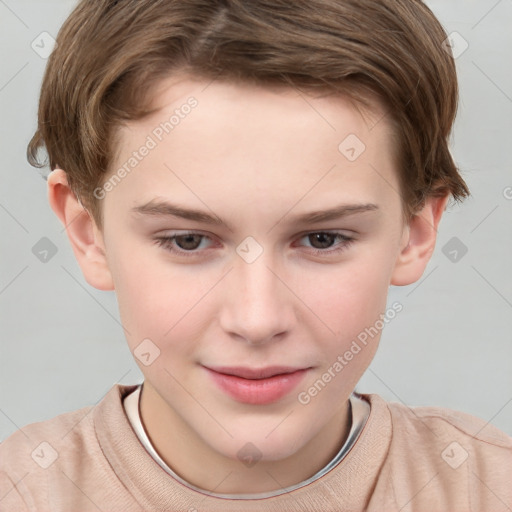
(188, 242)
(324, 240)
(185, 244)
(324, 243)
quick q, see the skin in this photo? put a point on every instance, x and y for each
(256, 158)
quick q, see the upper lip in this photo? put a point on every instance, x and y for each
(254, 373)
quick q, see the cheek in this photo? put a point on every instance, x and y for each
(350, 303)
(155, 299)
(349, 297)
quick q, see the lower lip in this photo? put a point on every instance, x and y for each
(257, 392)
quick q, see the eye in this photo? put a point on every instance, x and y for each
(186, 244)
(190, 244)
(322, 241)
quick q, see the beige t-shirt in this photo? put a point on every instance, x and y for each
(406, 459)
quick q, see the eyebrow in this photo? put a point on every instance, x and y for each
(158, 208)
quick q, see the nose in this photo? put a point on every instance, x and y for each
(258, 306)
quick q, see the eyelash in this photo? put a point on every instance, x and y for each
(166, 241)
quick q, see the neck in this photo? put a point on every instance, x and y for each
(195, 461)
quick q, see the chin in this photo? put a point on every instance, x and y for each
(264, 441)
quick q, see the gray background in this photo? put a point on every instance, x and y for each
(62, 347)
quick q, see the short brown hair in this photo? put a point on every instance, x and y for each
(110, 53)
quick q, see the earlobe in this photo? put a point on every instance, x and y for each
(419, 242)
(85, 237)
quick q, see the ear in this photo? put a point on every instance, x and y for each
(85, 237)
(418, 242)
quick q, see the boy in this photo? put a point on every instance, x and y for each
(250, 177)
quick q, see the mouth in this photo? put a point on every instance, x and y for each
(256, 386)
(255, 373)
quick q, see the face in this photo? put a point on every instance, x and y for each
(222, 258)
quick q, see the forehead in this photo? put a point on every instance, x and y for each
(230, 103)
(217, 94)
(223, 140)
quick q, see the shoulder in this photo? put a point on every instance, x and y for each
(447, 458)
(28, 456)
(33, 443)
(46, 457)
(436, 424)
(32, 439)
